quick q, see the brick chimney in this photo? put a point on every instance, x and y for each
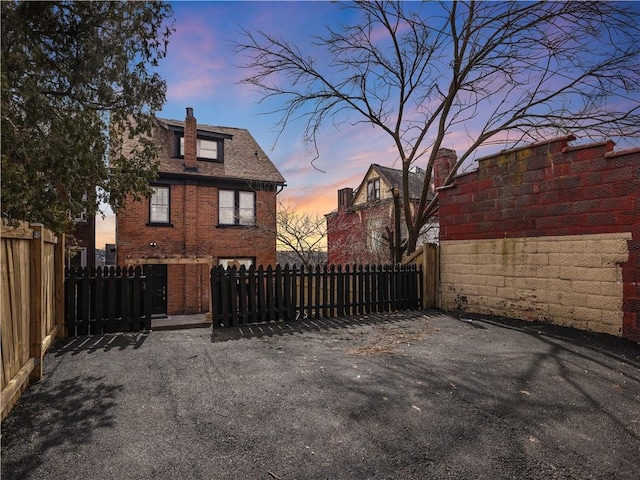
(190, 141)
(345, 196)
(445, 161)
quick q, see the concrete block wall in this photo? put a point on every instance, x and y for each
(548, 232)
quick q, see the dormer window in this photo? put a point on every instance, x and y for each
(206, 149)
(209, 148)
(373, 190)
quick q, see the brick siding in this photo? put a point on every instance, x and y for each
(584, 200)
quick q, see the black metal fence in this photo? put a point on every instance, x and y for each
(242, 296)
(107, 299)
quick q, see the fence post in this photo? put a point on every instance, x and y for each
(148, 297)
(58, 279)
(35, 327)
(431, 272)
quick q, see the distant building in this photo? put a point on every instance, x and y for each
(356, 230)
(110, 254)
(81, 244)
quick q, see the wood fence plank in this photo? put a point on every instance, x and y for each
(37, 306)
(84, 300)
(98, 295)
(262, 303)
(242, 304)
(361, 305)
(20, 232)
(69, 301)
(271, 294)
(137, 297)
(252, 304)
(233, 297)
(225, 294)
(123, 325)
(278, 286)
(215, 297)
(10, 324)
(340, 292)
(325, 292)
(289, 307)
(297, 285)
(112, 303)
(317, 280)
(19, 380)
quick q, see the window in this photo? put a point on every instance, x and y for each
(373, 190)
(236, 262)
(236, 208)
(206, 149)
(159, 205)
(81, 216)
(375, 241)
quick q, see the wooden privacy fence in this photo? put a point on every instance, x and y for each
(427, 258)
(32, 263)
(243, 296)
(107, 299)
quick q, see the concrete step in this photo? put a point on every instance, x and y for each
(178, 322)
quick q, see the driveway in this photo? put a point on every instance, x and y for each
(418, 395)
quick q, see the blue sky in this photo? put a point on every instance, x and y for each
(203, 71)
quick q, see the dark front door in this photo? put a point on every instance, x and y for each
(159, 290)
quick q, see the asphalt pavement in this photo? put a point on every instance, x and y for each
(417, 395)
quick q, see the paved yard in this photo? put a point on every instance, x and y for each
(404, 396)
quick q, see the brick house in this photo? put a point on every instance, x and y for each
(214, 203)
(82, 243)
(356, 229)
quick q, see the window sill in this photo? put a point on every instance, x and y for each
(202, 159)
(158, 224)
(221, 225)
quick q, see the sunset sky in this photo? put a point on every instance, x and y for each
(203, 71)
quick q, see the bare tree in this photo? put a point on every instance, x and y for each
(503, 72)
(301, 233)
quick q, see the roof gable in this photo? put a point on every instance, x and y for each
(389, 178)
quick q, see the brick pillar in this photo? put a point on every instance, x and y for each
(345, 196)
(190, 141)
(445, 161)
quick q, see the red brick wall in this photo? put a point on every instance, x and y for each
(348, 236)
(84, 235)
(552, 189)
(344, 233)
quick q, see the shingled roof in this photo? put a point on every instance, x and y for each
(244, 159)
(393, 178)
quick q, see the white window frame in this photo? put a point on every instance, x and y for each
(241, 212)
(163, 207)
(226, 210)
(201, 148)
(205, 146)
